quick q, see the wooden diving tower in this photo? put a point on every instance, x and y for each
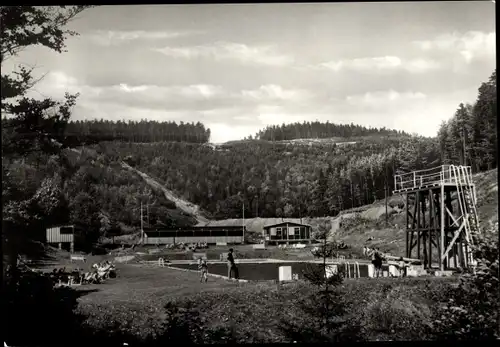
(442, 222)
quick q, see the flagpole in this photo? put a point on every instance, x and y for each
(243, 226)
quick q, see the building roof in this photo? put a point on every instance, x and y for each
(60, 226)
(195, 228)
(284, 223)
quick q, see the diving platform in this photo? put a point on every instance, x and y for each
(444, 175)
(441, 215)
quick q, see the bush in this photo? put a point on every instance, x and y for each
(29, 302)
(471, 310)
(392, 314)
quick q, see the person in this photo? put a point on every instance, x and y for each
(401, 265)
(377, 261)
(203, 267)
(231, 266)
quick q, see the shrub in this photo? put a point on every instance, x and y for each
(29, 301)
(392, 313)
(471, 310)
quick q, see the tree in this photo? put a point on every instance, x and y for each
(85, 215)
(32, 125)
(288, 210)
(52, 202)
(279, 213)
(324, 306)
(471, 311)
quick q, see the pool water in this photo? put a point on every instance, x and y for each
(270, 271)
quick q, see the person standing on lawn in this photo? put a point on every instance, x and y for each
(231, 266)
(203, 267)
(377, 261)
(402, 267)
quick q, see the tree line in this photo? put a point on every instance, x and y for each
(470, 136)
(85, 132)
(320, 130)
(142, 131)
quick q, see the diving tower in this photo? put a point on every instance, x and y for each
(442, 221)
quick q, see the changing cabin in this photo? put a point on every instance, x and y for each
(287, 232)
(61, 236)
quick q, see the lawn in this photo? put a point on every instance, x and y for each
(135, 300)
(134, 303)
(140, 284)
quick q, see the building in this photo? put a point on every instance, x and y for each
(287, 232)
(196, 234)
(61, 236)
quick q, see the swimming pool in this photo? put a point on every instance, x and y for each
(263, 271)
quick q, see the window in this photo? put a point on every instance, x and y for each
(218, 233)
(235, 232)
(66, 230)
(202, 233)
(185, 233)
(170, 233)
(273, 232)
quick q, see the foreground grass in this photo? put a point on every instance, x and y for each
(383, 309)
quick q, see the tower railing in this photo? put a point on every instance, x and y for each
(444, 174)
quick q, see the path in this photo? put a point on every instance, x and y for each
(182, 204)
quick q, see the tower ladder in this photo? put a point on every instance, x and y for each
(467, 204)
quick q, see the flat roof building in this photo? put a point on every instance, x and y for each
(196, 234)
(287, 232)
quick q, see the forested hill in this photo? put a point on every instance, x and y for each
(143, 131)
(80, 132)
(271, 178)
(308, 130)
(275, 179)
(470, 136)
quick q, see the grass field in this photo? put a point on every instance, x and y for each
(134, 302)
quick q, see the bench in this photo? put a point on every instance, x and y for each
(78, 257)
(196, 256)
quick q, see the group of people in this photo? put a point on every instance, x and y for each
(98, 272)
(190, 246)
(232, 269)
(377, 258)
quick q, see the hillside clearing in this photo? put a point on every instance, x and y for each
(186, 206)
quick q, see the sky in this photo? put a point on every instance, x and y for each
(239, 68)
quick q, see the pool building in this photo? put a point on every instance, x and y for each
(195, 234)
(287, 232)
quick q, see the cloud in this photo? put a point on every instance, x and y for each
(386, 63)
(261, 55)
(199, 97)
(421, 65)
(275, 92)
(383, 98)
(470, 45)
(235, 113)
(113, 37)
(222, 131)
